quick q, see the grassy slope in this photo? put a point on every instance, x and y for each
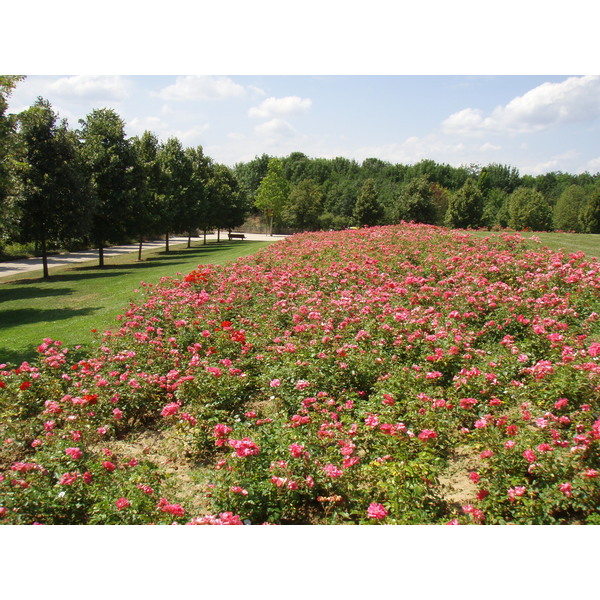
(76, 300)
(567, 242)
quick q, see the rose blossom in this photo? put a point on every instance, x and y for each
(122, 503)
(377, 511)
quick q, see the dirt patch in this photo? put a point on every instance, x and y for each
(184, 480)
(457, 487)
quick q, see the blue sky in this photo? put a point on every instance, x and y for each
(535, 123)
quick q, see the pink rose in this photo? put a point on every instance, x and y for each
(74, 453)
(377, 511)
(122, 503)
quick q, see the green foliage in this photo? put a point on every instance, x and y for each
(8, 158)
(568, 208)
(177, 203)
(272, 194)
(304, 206)
(368, 210)
(465, 207)
(416, 202)
(226, 201)
(53, 203)
(109, 163)
(529, 210)
(589, 216)
(147, 211)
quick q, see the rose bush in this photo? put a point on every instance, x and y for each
(330, 378)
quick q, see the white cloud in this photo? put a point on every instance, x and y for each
(200, 87)
(575, 99)
(275, 128)
(140, 124)
(554, 163)
(189, 137)
(280, 107)
(91, 87)
(593, 166)
(489, 146)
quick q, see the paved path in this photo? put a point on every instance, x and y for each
(16, 267)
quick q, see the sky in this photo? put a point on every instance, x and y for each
(534, 123)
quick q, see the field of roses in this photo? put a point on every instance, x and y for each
(397, 375)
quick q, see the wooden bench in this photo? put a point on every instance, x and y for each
(237, 236)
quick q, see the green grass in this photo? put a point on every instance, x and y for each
(567, 242)
(76, 300)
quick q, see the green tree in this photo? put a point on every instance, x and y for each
(465, 207)
(304, 206)
(201, 217)
(497, 176)
(415, 202)
(590, 214)
(528, 209)
(146, 214)
(177, 203)
(368, 210)
(567, 209)
(272, 193)
(226, 199)
(250, 174)
(110, 163)
(8, 152)
(52, 202)
(495, 208)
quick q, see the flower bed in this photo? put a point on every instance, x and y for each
(330, 378)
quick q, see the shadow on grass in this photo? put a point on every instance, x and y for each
(126, 264)
(26, 316)
(14, 358)
(29, 292)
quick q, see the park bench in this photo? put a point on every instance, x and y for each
(237, 236)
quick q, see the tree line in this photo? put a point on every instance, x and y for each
(305, 193)
(94, 186)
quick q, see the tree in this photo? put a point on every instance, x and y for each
(8, 150)
(176, 199)
(528, 209)
(201, 216)
(109, 161)
(250, 174)
(567, 209)
(52, 204)
(368, 210)
(465, 207)
(272, 193)
(590, 214)
(497, 176)
(415, 202)
(304, 206)
(495, 208)
(146, 212)
(226, 199)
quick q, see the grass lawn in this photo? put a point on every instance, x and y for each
(567, 242)
(76, 300)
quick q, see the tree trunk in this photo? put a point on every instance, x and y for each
(167, 243)
(101, 254)
(189, 239)
(205, 237)
(218, 234)
(45, 259)
(140, 251)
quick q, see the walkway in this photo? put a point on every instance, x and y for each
(17, 267)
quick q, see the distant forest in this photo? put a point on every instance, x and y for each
(340, 192)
